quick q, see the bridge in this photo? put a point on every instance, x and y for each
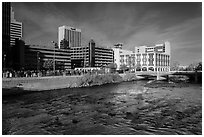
(195, 75)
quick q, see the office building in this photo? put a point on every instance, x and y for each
(15, 32)
(16, 29)
(6, 15)
(91, 56)
(154, 58)
(70, 34)
(32, 57)
(38, 54)
(145, 58)
(123, 57)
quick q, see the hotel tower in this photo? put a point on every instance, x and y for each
(69, 34)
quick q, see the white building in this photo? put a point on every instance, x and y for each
(70, 34)
(122, 57)
(16, 29)
(155, 58)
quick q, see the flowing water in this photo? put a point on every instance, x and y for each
(123, 109)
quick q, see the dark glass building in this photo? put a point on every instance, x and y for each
(6, 49)
(32, 57)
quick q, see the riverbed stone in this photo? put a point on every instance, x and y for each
(65, 111)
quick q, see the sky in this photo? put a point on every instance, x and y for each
(133, 24)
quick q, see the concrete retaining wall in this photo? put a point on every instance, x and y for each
(40, 83)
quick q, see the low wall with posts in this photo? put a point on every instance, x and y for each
(17, 85)
(39, 83)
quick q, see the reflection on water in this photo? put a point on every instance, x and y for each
(126, 108)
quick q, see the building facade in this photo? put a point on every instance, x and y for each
(11, 31)
(91, 56)
(71, 35)
(6, 50)
(155, 58)
(32, 57)
(35, 56)
(16, 29)
(123, 57)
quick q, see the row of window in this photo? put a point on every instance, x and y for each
(107, 53)
(150, 56)
(151, 62)
(48, 50)
(103, 49)
(16, 31)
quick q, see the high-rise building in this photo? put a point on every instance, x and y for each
(72, 35)
(16, 29)
(6, 13)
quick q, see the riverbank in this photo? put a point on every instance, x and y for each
(18, 85)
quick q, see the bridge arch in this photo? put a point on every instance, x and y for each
(138, 69)
(151, 68)
(144, 69)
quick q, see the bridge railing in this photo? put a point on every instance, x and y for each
(163, 73)
(185, 71)
(153, 73)
(182, 71)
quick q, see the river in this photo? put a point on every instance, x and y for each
(126, 108)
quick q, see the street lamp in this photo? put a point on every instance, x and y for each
(84, 53)
(54, 57)
(38, 60)
(4, 61)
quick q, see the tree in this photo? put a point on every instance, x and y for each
(175, 66)
(112, 67)
(48, 64)
(64, 44)
(190, 67)
(132, 68)
(124, 68)
(198, 66)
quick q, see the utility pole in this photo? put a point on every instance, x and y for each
(4, 62)
(84, 57)
(54, 58)
(158, 68)
(38, 59)
(158, 73)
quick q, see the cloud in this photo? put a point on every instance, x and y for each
(133, 24)
(185, 39)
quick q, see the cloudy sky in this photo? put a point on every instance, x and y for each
(132, 24)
